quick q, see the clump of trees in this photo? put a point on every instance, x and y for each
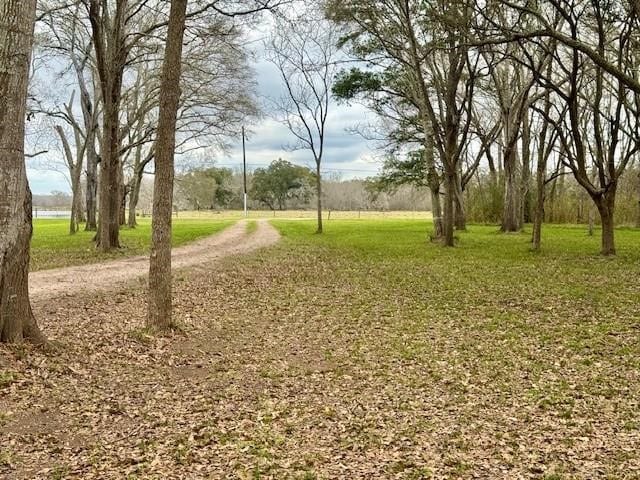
(108, 60)
(281, 182)
(205, 189)
(494, 103)
(134, 106)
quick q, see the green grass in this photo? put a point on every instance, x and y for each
(52, 246)
(486, 266)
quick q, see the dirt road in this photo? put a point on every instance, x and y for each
(58, 282)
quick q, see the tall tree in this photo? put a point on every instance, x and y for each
(160, 298)
(16, 39)
(65, 35)
(427, 43)
(304, 50)
(111, 50)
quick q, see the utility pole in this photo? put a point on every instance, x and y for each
(244, 173)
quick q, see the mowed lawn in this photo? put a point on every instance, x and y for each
(362, 353)
(52, 246)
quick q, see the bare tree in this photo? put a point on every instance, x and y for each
(160, 262)
(65, 36)
(217, 97)
(16, 39)
(160, 298)
(74, 163)
(304, 50)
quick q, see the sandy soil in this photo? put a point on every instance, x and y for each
(47, 284)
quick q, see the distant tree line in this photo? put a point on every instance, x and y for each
(282, 186)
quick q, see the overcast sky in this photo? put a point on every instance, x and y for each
(347, 153)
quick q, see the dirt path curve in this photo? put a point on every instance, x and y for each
(57, 282)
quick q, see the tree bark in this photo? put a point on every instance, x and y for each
(122, 211)
(461, 217)
(160, 297)
(91, 192)
(92, 165)
(449, 206)
(82, 214)
(541, 178)
(111, 55)
(539, 211)
(75, 171)
(433, 180)
(109, 207)
(134, 198)
(638, 186)
(319, 192)
(493, 174)
(511, 211)
(17, 322)
(525, 190)
(136, 181)
(605, 203)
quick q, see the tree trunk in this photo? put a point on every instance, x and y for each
(122, 211)
(75, 170)
(319, 192)
(109, 231)
(493, 174)
(160, 297)
(91, 192)
(76, 189)
(606, 208)
(540, 194)
(511, 209)
(461, 217)
(433, 179)
(17, 322)
(638, 211)
(525, 190)
(136, 183)
(73, 221)
(449, 206)
(111, 57)
(82, 215)
(134, 198)
(89, 115)
(91, 175)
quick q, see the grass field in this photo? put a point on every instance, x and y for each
(52, 246)
(308, 214)
(362, 353)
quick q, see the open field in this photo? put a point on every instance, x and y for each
(52, 246)
(364, 353)
(308, 214)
